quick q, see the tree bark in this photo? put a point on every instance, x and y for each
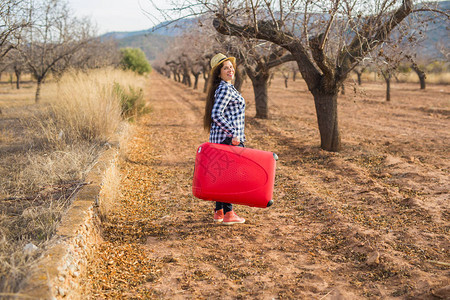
(327, 118)
(387, 79)
(388, 89)
(37, 97)
(359, 74)
(260, 88)
(18, 72)
(186, 77)
(421, 75)
(196, 75)
(239, 80)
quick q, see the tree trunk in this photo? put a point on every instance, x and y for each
(260, 85)
(239, 80)
(421, 75)
(187, 79)
(18, 73)
(196, 75)
(327, 118)
(205, 85)
(388, 88)
(37, 97)
(359, 74)
(422, 82)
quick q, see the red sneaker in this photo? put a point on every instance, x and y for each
(218, 215)
(231, 218)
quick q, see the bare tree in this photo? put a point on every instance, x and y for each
(258, 59)
(359, 70)
(292, 66)
(327, 39)
(387, 75)
(443, 50)
(13, 18)
(53, 36)
(397, 49)
(15, 64)
(285, 74)
(96, 53)
(88, 52)
(190, 53)
(420, 73)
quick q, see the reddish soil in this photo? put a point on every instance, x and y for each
(371, 221)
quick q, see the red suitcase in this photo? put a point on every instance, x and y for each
(234, 175)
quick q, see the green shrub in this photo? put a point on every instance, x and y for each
(134, 59)
(131, 100)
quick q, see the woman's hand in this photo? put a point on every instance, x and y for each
(235, 141)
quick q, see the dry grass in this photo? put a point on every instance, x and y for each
(87, 108)
(110, 192)
(441, 78)
(45, 152)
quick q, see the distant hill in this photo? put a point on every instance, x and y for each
(151, 44)
(152, 41)
(437, 32)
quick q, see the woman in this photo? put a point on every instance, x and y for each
(225, 119)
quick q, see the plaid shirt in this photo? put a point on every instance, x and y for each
(228, 114)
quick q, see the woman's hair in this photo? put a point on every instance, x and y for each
(213, 82)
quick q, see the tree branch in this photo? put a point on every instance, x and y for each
(363, 43)
(327, 30)
(267, 31)
(279, 61)
(432, 10)
(320, 58)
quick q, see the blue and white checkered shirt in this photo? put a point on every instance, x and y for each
(228, 114)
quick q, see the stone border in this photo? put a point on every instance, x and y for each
(57, 273)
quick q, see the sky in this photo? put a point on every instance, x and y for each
(116, 15)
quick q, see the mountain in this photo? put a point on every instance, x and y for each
(152, 44)
(436, 32)
(152, 41)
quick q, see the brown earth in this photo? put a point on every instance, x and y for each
(371, 221)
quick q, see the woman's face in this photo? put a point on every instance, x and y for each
(227, 71)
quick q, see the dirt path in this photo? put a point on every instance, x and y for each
(371, 221)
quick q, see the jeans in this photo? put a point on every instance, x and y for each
(226, 206)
